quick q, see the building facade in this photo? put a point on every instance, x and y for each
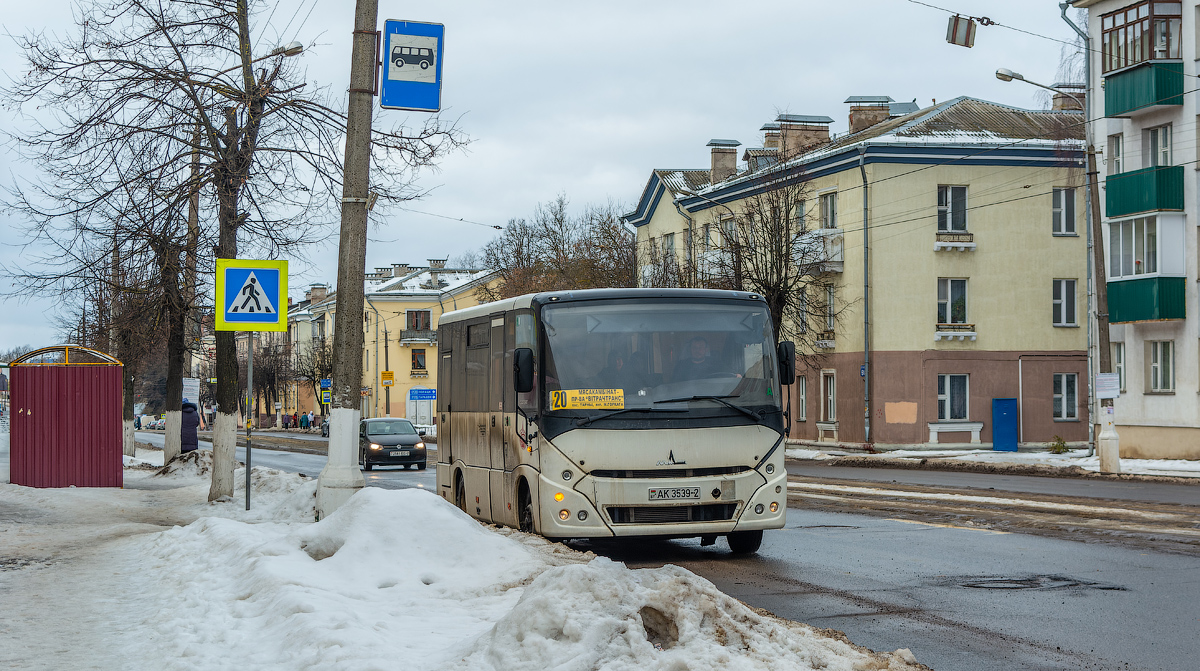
(1143, 73)
(954, 259)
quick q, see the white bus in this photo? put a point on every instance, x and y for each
(616, 412)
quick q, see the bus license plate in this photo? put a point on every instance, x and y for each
(401, 453)
(674, 493)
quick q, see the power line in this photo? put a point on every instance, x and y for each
(459, 219)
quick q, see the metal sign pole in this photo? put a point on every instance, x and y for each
(250, 412)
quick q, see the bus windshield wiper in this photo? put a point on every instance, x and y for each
(719, 399)
(584, 421)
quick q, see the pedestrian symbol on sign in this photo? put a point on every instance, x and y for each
(251, 292)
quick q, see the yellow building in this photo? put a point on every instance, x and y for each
(960, 315)
(400, 317)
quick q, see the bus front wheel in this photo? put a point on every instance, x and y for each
(744, 542)
(525, 510)
(460, 493)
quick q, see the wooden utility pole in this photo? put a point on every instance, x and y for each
(341, 478)
(1108, 443)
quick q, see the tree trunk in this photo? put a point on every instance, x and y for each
(128, 447)
(176, 350)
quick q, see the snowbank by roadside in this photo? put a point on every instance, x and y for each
(394, 579)
(1045, 461)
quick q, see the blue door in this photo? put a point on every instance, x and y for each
(1004, 424)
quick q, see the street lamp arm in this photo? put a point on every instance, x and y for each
(710, 200)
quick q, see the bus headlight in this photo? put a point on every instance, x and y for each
(566, 475)
(770, 468)
(564, 515)
(582, 515)
(774, 507)
(376, 446)
(758, 509)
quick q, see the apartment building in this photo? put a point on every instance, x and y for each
(955, 260)
(1144, 80)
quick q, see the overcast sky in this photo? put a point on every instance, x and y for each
(585, 99)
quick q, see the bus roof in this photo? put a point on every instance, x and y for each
(529, 300)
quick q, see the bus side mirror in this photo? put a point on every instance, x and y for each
(787, 362)
(523, 370)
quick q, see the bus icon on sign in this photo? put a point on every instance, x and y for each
(418, 56)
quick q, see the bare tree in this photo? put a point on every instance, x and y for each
(313, 365)
(555, 251)
(156, 85)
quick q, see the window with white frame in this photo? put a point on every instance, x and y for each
(1116, 154)
(1066, 396)
(802, 398)
(800, 217)
(802, 318)
(1133, 247)
(830, 308)
(668, 247)
(829, 395)
(728, 231)
(953, 403)
(952, 209)
(952, 301)
(1063, 303)
(829, 210)
(1118, 362)
(1062, 212)
(1158, 146)
(1161, 368)
(419, 320)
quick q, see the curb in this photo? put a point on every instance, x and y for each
(1038, 470)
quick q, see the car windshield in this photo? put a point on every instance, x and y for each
(396, 427)
(658, 355)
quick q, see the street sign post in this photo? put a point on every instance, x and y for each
(251, 295)
(412, 66)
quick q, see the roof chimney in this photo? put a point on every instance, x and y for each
(316, 293)
(771, 135)
(383, 272)
(724, 160)
(1066, 103)
(866, 111)
(801, 132)
(399, 269)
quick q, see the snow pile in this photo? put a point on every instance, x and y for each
(604, 616)
(139, 464)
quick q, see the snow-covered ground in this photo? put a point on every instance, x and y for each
(1176, 467)
(152, 576)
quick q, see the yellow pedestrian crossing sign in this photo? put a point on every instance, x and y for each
(251, 295)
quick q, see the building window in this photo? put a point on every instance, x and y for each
(1141, 32)
(1118, 362)
(728, 231)
(952, 209)
(952, 301)
(668, 243)
(1064, 303)
(419, 320)
(1158, 146)
(799, 217)
(1066, 399)
(1162, 365)
(418, 359)
(829, 210)
(1063, 212)
(802, 398)
(830, 308)
(1132, 247)
(1116, 152)
(952, 397)
(829, 394)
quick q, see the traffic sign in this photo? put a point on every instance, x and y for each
(387, 378)
(326, 383)
(327, 397)
(251, 295)
(418, 394)
(412, 66)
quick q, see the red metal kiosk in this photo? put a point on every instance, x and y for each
(66, 418)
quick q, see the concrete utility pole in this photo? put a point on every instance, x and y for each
(340, 478)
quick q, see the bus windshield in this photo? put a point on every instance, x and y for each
(611, 356)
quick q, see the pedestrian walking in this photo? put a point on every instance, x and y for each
(192, 419)
(310, 418)
(295, 419)
(304, 421)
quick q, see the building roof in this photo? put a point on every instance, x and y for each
(803, 118)
(900, 109)
(685, 180)
(879, 100)
(723, 143)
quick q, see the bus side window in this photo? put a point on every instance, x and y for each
(521, 325)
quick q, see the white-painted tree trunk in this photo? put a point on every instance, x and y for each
(225, 426)
(127, 441)
(173, 438)
(340, 478)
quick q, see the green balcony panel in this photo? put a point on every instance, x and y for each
(1144, 190)
(1150, 84)
(1147, 299)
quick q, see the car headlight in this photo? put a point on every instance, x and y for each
(419, 446)
(376, 446)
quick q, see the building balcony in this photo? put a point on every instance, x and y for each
(418, 335)
(1146, 190)
(958, 242)
(1147, 299)
(954, 332)
(1143, 88)
(825, 340)
(821, 250)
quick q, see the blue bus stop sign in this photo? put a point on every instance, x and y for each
(412, 66)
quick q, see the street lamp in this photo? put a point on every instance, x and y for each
(1006, 75)
(289, 49)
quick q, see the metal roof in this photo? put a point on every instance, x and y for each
(900, 109)
(761, 151)
(869, 99)
(802, 118)
(772, 125)
(685, 180)
(723, 143)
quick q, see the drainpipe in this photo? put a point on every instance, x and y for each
(866, 228)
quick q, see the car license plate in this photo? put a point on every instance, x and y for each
(400, 453)
(674, 493)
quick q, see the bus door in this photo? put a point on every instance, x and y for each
(471, 432)
(498, 375)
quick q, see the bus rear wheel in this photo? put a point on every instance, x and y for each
(525, 511)
(460, 492)
(744, 542)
